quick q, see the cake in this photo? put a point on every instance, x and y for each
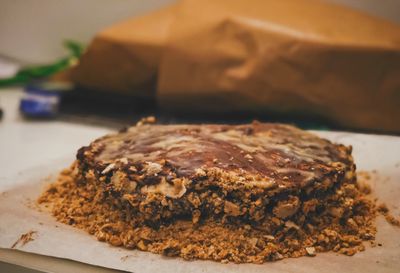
(243, 193)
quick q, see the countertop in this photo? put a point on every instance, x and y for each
(25, 144)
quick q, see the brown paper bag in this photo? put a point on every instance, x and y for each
(297, 57)
(124, 58)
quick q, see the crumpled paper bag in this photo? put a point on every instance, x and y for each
(296, 58)
(124, 58)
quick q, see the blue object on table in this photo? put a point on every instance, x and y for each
(40, 100)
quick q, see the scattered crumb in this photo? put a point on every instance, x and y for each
(124, 258)
(25, 238)
(311, 251)
(384, 210)
(392, 220)
(146, 120)
(31, 204)
(363, 175)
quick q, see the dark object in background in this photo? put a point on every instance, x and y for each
(41, 99)
(290, 58)
(118, 111)
(104, 109)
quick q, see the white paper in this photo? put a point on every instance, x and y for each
(18, 216)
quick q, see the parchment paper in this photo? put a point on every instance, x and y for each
(380, 155)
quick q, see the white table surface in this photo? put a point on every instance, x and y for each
(25, 144)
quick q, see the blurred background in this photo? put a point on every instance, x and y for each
(126, 71)
(32, 31)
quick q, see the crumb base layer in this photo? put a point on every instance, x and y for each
(341, 222)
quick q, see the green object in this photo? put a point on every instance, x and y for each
(26, 75)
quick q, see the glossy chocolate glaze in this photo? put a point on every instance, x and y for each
(267, 152)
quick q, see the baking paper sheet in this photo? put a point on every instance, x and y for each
(380, 155)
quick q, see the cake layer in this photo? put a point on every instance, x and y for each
(228, 172)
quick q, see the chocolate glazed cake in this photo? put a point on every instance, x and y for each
(243, 193)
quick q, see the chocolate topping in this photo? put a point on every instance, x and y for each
(268, 153)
